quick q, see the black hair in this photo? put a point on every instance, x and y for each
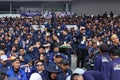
(73, 76)
(115, 51)
(104, 48)
(38, 61)
(49, 76)
(16, 59)
(3, 76)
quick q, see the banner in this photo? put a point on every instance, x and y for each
(30, 14)
(36, 27)
(72, 26)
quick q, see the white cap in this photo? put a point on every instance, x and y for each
(3, 57)
(35, 76)
(82, 28)
(79, 71)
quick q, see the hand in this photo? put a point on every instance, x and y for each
(21, 58)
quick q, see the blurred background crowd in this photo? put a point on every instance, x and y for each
(58, 44)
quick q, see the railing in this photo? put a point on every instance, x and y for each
(9, 12)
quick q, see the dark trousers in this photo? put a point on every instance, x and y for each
(81, 55)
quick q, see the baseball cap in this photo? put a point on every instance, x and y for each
(82, 28)
(3, 57)
(65, 62)
(76, 71)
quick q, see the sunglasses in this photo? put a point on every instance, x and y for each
(39, 65)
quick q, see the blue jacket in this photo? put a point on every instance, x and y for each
(63, 75)
(79, 38)
(21, 75)
(102, 63)
(115, 69)
(93, 75)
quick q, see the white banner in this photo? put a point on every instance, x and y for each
(72, 26)
(35, 27)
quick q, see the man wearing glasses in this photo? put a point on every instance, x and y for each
(41, 69)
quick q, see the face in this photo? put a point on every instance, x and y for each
(2, 52)
(42, 57)
(115, 40)
(53, 75)
(41, 50)
(39, 66)
(64, 32)
(58, 59)
(64, 67)
(56, 49)
(37, 44)
(22, 51)
(13, 48)
(16, 64)
(54, 37)
(3, 62)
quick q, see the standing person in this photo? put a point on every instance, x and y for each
(15, 72)
(101, 62)
(114, 68)
(115, 41)
(66, 39)
(82, 48)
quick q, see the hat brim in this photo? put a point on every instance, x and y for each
(51, 70)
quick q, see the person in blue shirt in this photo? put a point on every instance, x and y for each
(23, 56)
(114, 68)
(3, 60)
(88, 75)
(15, 72)
(66, 38)
(40, 68)
(65, 70)
(81, 46)
(53, 71)
(101, 62)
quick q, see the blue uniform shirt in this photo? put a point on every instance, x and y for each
(93, 75)
(115, 69)
(102, 63)
(63, 75)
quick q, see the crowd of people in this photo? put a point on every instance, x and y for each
(28, 54)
